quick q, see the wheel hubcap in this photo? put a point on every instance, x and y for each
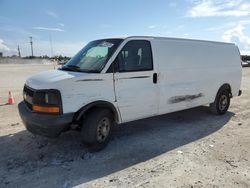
(103, 129)
(223, 102)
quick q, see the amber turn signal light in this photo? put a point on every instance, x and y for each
(46, 109)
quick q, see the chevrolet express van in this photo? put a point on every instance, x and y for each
(118, 80)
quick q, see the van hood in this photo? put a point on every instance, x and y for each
(46, 79)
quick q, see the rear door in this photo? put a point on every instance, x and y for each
(136, 88)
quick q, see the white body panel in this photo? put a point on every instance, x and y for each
(136, 97)
(190, 72)
(77, 89)
(194, 68)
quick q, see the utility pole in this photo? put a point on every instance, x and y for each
(31, 45)
(19, 53)
(51, 47)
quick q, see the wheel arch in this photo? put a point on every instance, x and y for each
(97, 104)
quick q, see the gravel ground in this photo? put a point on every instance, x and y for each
(191, 148)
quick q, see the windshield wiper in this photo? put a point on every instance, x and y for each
(71, 68)
(78, 69)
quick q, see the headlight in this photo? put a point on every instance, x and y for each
(47, 101)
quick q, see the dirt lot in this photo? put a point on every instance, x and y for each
(192, 148)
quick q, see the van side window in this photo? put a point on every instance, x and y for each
(135, 56)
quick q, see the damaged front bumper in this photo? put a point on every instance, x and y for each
(48, 125)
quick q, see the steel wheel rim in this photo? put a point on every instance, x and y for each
(103, 129)
(223, 102)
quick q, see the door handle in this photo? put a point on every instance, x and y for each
(155, 78)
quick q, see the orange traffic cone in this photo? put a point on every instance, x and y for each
(10, 99)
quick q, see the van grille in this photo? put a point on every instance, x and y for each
(28, 94)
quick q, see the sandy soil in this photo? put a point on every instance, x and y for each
(191, 148)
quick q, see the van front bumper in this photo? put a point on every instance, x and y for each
(48, 125)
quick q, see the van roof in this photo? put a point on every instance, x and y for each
(169, 38)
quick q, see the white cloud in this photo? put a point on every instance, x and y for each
(6, 49)
(238, 35)
(49, 29)
(151, 26)
(51, 14)
(3, 46)
(221, 27)
(208, 8)
(18, 30)
(61, 24)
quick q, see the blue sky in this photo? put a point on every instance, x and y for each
(69, 25)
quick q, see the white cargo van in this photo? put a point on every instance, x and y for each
(113, 81)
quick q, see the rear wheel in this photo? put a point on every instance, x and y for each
(221, 103)
(97, 129)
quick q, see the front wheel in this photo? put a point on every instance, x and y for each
(221, 103)
(97, 129)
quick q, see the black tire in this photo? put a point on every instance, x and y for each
(97, 129)
(221, 103)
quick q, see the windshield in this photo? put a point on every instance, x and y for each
(93, 57)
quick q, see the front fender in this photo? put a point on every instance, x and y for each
(100, 104)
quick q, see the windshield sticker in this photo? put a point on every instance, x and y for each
(106, 44)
